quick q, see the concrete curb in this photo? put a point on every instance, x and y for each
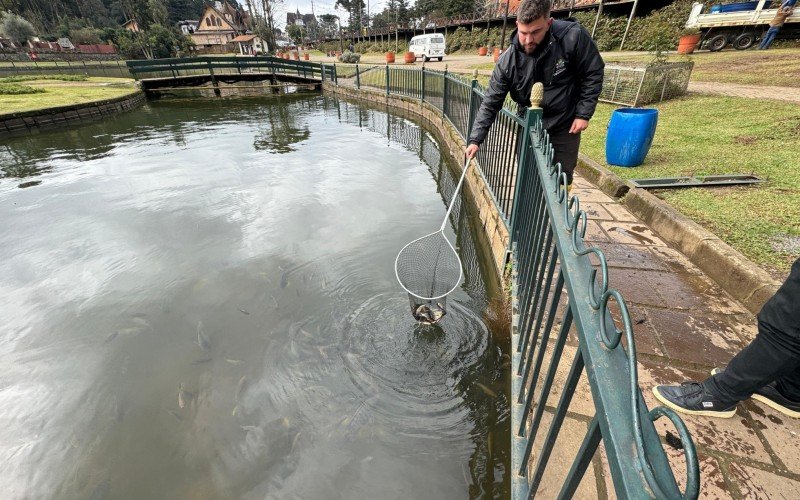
(741, 278)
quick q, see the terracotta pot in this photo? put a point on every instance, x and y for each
(390, 57)
(409, 57)
(688, 43)
(296, 56)
(338, 53)
(496, 54)
(305, 56)
(482, 51)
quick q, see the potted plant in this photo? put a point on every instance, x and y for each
(688, 41)
(409, 57)
(390, 57)
(305, 56)
(482, 51)
(496, 54)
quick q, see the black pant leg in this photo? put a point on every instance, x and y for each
(565, 150)
(764, 360)
(774, 355)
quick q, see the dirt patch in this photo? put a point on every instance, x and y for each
(745, 139)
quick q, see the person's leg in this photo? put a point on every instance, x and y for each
(565, 151)
(769, 357)
(768, 38)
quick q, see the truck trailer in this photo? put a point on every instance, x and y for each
(739, 25)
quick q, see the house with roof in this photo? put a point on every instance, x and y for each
(188, 27)
(250, 45)
(300, 19)
(219, 25)
(131, 25)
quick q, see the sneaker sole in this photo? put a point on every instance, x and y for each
(705, 413)
(772, 404)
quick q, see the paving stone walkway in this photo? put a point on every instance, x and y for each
(685, 325)
(789, 94)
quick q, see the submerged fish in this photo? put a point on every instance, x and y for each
(202, 339)
(485, 389)
(240, 388)
(285, 279)
(244, 311)
(183, 397)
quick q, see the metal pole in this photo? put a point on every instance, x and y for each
(571, 8)
(597, 18)
(630, 18)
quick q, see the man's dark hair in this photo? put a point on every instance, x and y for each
(531, 10)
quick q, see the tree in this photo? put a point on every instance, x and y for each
(16, 28)
(295, 33)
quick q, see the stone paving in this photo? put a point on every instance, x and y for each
(685, 325)
(788, 94)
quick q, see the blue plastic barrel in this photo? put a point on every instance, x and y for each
(630, 134)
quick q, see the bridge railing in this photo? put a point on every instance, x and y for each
(226, 65)
(560, 290)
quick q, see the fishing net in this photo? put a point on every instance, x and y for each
(428, 269)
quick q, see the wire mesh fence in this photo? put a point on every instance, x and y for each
(635, 86)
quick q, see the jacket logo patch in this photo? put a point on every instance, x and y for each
(560, 67)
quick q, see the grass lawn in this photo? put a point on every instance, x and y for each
(62, 93)
(778, 67)
(703, 135)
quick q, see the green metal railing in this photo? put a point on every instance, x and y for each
(111, 68)
(555, 290)
(214, 66)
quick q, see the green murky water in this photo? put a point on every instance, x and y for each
(199, 301)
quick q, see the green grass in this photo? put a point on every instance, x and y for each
(29, 78)
(707, 135)
(66, 93)
(778, 67)
(13, 89)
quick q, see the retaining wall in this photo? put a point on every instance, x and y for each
(30, 121)
(491, 220)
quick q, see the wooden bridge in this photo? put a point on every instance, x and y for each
(161, 75)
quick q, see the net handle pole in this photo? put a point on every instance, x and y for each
(455, 195)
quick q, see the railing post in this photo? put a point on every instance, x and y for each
(358, 78)
(473, 104)
(387, 79)
(422, 89)
(335, 76)
(213, 79)
(444, 92)
(532, 114)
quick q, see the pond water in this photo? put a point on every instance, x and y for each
(199, 301)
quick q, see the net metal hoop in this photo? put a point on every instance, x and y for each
(460, 267)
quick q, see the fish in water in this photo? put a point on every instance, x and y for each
(244, 311)
(202, 339)
(201, 361)
(285, 279)
(429, 314)
(485, 389)
(240, 387)
(183, 397)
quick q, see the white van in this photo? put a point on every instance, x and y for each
(427, 46)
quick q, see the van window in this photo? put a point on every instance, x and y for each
(437, 39)
(414, 41)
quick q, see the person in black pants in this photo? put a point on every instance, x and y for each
(768, 369)
(562, 55)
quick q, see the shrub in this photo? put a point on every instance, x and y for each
(14, 89)
(350, 57)
(28, 78)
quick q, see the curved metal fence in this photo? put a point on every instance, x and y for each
(557, 293)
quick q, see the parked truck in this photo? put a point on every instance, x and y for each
(739, 25)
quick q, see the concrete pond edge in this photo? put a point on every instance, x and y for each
(745, 281)
(23, 122)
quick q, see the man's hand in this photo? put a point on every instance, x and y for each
(578, 126)
(472, 150)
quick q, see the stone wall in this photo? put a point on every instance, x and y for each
(17, 55)
(493, 224)
(30, 121)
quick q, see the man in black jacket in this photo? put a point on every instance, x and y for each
(561, 55)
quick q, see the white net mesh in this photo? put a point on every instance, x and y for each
(428, 268)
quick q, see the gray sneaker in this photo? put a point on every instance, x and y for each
(692, 398)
